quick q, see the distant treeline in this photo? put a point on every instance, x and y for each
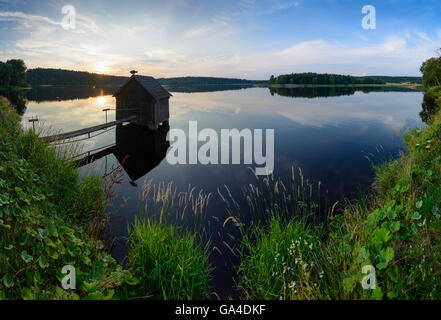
(324, 92)
(209, 81)
(42, 76)
(389, 79)
(13, 73)
(336, 79)
(321, 78)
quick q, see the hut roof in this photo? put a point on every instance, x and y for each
(150, 84)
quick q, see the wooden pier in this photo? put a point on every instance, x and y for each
(88, 131)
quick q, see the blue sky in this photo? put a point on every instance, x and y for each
(243, 38)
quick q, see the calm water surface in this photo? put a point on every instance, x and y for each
(328, 133)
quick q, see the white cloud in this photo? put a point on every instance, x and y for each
(21, 17)
(164, 55)
(213, 48)
(27, 21)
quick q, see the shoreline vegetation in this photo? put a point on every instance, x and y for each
(13, 75)
(387, 240)
(50, 218)
(317, 79)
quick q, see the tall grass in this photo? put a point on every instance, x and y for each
(281, 232)
(279, 262)
(164, 203)
(270, 197)
(167, 248)
(396, 231)
(169, 262)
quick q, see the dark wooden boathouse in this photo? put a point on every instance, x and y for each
(144, 97)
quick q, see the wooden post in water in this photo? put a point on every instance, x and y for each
(33, 122)
(105, 110)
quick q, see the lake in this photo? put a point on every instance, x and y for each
(333, 134)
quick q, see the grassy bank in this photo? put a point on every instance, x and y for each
(46, 216)
(49, 218)
(396, 231)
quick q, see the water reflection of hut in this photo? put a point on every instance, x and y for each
(137, 150)
(145, 97)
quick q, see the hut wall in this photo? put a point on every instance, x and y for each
(162, 111)
(133, 99)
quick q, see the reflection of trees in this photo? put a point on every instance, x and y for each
(323, 92)
(313, 92)
(17, 98)
(205, 87)
(60, 93)
(429, 106)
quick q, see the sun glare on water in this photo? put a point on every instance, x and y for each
(102, 100)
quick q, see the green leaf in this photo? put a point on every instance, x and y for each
(24, 239)
(109, 295)
(416, 216)
(94, 296)
(385, 257)
(3, 199)
(435, 211)
(52, 230)
(389, 254)
(27, 294)
(91, 287)
(414, 229)
(349, 284)
(42, 262)
(26, 257)
(132, 281)
(395, 226)
(6, 226)
(378, 293)
(419, 204)
(381, 265)
(7, 281)
(86, 260)
(391, 295)
(382, 235)
(53, 255)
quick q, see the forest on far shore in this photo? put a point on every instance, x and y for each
(311, 78)
(14, 73)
